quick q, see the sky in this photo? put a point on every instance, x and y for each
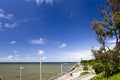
(56, 30)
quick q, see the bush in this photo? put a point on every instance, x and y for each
(98, 67)
(85, 67)
(101, 77)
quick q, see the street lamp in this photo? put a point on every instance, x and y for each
(40, 68)
(21, 67)
(40, 52)
(61, 69)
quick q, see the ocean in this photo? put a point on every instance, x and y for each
(31, 71)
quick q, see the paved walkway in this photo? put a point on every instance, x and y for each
(75, 75)
(86, 77)
(68, 76)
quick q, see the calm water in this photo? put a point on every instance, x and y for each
(10, 71)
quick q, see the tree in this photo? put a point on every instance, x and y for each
(108, 28)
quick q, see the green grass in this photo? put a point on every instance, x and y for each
(87, 71)
(90, 68)
(84, 73)
(101, 77)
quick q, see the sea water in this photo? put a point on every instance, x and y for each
(31, 71)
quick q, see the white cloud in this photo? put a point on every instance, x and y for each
(43, 58)
(17, 58)
(75, 55)
(9, 20)
(5, 16)
(2, 15)
(9, 16)
(9, 57)
(12, 42)
(113, 41)
(15, 51)
(28, 58)
(39, 2)
(1, 25)
(40, 52)
(38, 41)
(10, 25)
(63, 45)
(1, 10)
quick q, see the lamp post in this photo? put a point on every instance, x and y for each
(61, 69)
(40, 52)
(21, 67)
(40, 68)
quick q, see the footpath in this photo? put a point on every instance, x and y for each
(71, 75)
(76, 75)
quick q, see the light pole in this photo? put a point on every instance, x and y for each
(40, 68)
(40, 52)
(21, 67)
(61, 69)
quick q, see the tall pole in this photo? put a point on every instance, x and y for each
(61, 69)
(40, 68)
(21, 72)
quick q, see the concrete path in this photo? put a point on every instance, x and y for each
(89, 77)
(75, 74)
(86, 77)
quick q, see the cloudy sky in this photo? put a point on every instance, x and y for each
(57, 30)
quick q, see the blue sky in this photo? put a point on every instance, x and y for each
(57, 30)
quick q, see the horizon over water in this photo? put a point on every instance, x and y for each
(50, 70)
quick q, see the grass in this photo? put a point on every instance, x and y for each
(87, 71)
(101, 77)
(84, 73)
(90, 68)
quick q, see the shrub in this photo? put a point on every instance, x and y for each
(101, 77)
(98, 67)
(85, 67)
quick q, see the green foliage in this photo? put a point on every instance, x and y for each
(84, 73)
(101, 77)
(98, 67)
(85, 67)
(88, 62)
(108, 27)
